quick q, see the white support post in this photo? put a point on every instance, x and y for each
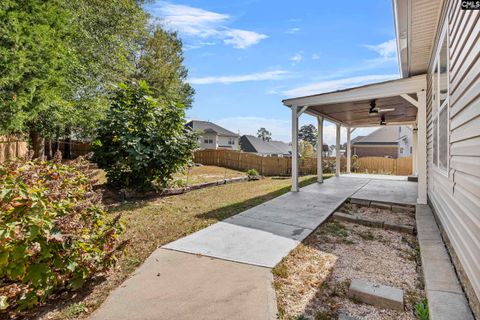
(319, 149)
(422, 147)
(349, 151)
(294, 148)
(337, 152)
(414, 150)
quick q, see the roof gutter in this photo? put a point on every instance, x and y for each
(402, 18)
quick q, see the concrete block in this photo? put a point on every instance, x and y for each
(380, 205)
(370, 222)
(361, 202)
(340, 216)
(376, 294)
(399, 227)
(402, 209)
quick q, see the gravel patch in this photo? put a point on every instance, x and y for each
(313, 280)
(405, 218)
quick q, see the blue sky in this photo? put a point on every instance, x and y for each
(244, 57)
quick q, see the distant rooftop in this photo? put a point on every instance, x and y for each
(209, 127)
(253, 144)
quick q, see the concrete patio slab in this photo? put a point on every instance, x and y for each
(263, 235)
(175, 285)
(389, 191)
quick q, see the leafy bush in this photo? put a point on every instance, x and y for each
(54, 232)
(252, 173)
(421, 310)
(141, 141)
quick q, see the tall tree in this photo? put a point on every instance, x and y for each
(264, 134)
(60, 58)
(161, 66)
(34, 59)
(308, 133)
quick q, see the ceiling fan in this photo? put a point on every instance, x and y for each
(374, 110)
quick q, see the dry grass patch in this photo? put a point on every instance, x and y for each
(317, 274)
(150, 224)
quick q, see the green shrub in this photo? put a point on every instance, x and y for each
(252, 173)
(421, 310)
(54, 232)
(142, 143)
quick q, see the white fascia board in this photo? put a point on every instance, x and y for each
(379, 90)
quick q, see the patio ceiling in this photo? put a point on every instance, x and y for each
(350, 107)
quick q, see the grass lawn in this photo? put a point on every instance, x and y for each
(150, 224)
(194, 175)
(202, 174)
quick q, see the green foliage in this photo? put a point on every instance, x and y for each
(421, 310)
(306, 149)
(34, 59)
(308, 133)
(264, 134)
(142, 142)
(252, 173)
(54, 232)
(161, 66)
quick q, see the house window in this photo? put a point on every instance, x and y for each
(440, 109)
(401, 150)
(231, 141)
(411, 149)
(208, 141)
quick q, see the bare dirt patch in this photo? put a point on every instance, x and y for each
(313, 280)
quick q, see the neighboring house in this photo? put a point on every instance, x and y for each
(389, 141)
(438, 92)
(213, 136)
(265, 148)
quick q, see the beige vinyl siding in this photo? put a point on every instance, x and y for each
(456, 198)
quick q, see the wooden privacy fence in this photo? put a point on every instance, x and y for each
(277, 166)
(12, 147)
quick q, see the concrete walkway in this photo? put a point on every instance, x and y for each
(263, 235)
(224, 271)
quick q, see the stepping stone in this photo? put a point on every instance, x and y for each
(399, 227)
(376, 294)
(380, 205)
(402, 209)
(344, 217)
(360, 202)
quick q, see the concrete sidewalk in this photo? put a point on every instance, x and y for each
(224, 271)
(263, 235)
(175, 285)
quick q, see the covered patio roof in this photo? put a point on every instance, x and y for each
(350, 107)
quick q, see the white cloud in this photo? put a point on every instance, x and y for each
(297, 57)
(315, 56)
(242, 39)
(336, 84)
(199, 23)
(292, 30)
(386, 50)
(260, 76)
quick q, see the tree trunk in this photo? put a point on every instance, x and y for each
(38, 145)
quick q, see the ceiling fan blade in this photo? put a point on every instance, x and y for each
(386, 110)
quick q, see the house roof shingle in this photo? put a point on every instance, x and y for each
(383, 135)
(253, 144)
(209, 127)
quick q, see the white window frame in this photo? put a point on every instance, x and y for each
(436, 110)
